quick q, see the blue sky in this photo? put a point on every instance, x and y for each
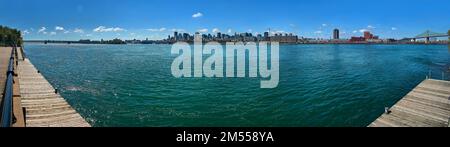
(155, 19)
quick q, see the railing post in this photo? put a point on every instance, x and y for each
(443, 76)
(429, 74)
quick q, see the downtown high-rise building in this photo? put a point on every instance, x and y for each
(336, 34)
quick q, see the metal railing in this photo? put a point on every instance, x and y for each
(7, 116)
(442, 76)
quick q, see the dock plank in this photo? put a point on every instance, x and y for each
(44, 107)
(427, 105)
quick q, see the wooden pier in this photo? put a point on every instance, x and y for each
(427, 105)
(44, 107)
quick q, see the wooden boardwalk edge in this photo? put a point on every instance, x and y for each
(427, 105)
(44, 107)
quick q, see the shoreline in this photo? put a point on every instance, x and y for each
(281, 43)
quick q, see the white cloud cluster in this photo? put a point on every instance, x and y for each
(177, 30)
(25, 32)
(202, 30)
(42, 30)
(197, 15)
(363, 30)
(157, 30)
(215, 30)
(77, 30)
(105, 29)
(273, 32)
(58, 28)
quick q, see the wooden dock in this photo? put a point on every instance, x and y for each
(427, 105)
(44, 107)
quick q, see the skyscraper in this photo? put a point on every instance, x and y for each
(219, 35)
(175, 35)
(266, 36)
(336, 34)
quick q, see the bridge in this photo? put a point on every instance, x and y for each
(429, 34)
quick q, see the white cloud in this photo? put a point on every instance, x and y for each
(177, 30)
(318, 32)
(250, 30)
(25, 32)
(77, 30)
(202, 30)
(104, 29)
(324, 25)
(363, 30)
(370, 27)
(42, 30)
(354, 31)
(229, 31)
(215, 30)
(273, 32)
(393, 28)
(52, 33)
(65, 32)
(58, 28)
(153, 30)
(132, 34)
(99, 29)
(196, 15)
(157, 30)
(88, 35)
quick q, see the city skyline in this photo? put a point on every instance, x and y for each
(70, 20)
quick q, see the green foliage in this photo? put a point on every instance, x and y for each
(9, 36)
(114, 41)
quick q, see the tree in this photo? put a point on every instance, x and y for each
(10, 36)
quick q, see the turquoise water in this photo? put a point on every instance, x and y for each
(320, 85)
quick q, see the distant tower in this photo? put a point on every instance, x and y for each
(336, 34)
(219, 35)
(198, 37)
(266, 34)
(175, 35)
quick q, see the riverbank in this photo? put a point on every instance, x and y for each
(191, 42)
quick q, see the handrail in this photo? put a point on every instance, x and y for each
(23, 52)
(7, 115)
